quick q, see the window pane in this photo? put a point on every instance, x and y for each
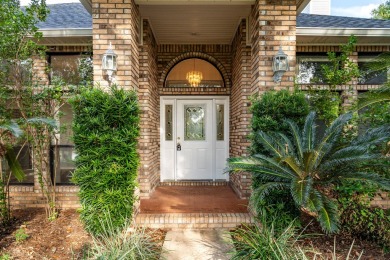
(194, 127)
(220, 122)
(66, 165)
(66, 67)
(66, 119)
(370, 77)
(168, 122)
(309, 69)
(178, 76)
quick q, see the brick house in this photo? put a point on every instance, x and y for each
(189, 129)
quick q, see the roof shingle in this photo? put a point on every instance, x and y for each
(74, 15)
(66, 16)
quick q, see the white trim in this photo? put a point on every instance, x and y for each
(71, 32)
(323, 31)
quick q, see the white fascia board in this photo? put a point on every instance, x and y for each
(66, 32)
(318, 31)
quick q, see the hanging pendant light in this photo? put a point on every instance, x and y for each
(194, 77)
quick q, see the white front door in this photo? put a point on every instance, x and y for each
(194, 138)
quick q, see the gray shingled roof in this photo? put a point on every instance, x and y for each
(74, 15)
(327, 21)
(66, 16)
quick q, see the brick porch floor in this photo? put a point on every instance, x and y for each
(193, 207)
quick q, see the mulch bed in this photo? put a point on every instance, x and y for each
(63, 238)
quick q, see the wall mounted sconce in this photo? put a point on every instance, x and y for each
(280, 65)
(109, 62)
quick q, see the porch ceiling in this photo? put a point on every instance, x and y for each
(194, 24)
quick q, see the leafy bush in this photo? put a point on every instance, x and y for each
(308, 168)
(271, 109)
(106, 128)
(357, 217)
(122, 242)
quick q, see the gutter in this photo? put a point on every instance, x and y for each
(71, 32)
(321, 31)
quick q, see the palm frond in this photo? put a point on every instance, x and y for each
(346, 161)
(293, 165)
(301, 189)
(276, 165)
(330, 138)
(373, 136)
(42, 121)
(295, 132)
(269, 143)
(368, 177)
(264, 190)
(14, 164)
(308, 134)
(261, 171)
(372, 97)
(328, 216)
(12, 127)
(289, 146)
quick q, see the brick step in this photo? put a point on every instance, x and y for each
(193, 220)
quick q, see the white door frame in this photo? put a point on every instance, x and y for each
(168, 154)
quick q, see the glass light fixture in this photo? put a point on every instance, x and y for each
(109, 62)
(279, 65)
(194, 77)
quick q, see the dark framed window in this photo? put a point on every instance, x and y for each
(368, 75)
(309, 69)
(69, 67)
(62, 169)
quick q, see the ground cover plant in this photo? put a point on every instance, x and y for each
(106, 128)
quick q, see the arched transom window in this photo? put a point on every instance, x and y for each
(194, 73)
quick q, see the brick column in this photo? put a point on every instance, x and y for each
(116, 22)
(149, 142)
(240, 116)
(273, 25)
(349, 94)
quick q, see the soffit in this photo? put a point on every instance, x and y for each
(194, 24)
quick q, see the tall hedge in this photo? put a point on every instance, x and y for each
(106, 128)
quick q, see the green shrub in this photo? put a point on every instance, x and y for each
(122, 243)
(106, 128)
(21, 235)
(270, 110)
(358, 218)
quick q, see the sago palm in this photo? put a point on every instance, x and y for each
(309, 166)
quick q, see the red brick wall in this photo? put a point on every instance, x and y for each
(273, 25)
(116, 22)
(149, 142)
(240, 115)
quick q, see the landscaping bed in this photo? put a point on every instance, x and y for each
(63, 238)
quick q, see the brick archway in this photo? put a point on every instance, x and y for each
(199, 55)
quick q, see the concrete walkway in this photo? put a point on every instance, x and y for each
(197, 244)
